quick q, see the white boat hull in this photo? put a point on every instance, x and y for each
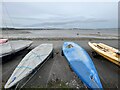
(11, 47)
(33, 59)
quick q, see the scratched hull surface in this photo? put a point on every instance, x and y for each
(29, 63)
(81, 64)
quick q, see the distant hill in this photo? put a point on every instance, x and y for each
(57, 29)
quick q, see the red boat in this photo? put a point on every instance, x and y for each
(3, 41)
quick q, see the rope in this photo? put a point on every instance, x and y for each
(6, 25)
(50, 73)
(8, 13)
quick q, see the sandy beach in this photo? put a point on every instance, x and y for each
(56, 73)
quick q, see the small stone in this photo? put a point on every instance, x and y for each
(77, 87)
(53, 74)
(67, 83)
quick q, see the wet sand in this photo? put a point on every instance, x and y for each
(56, 71)
(59, 34)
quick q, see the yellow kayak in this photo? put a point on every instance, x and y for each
(107, 52)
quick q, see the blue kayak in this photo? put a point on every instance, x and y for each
(81, 64)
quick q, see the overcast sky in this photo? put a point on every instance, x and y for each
(60, 10)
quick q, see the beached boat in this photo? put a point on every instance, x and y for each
(81, 63)
(107, 52)
(3, 41)
(29, 63)
(11, 47)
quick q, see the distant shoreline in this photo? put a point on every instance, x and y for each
(62, 39)
(58, 29)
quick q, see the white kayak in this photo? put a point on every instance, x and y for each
(11, 47)
(31, 61)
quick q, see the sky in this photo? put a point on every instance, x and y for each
(25, 14)
(60, 0)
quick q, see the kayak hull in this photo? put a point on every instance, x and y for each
(82, 65)
(106, 51)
